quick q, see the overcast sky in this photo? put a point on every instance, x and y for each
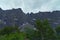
(31, 5)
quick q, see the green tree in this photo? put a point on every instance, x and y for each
(46, 31)
(58, 31)
(50, 33)
(39, 26)
(11, 33)
(8, 30)
(13, 36)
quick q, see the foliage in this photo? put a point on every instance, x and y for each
(8, 30)
(43, 32)
(13, 36)
(58, 32)
(11, 33)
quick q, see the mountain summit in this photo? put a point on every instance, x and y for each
(18, 17)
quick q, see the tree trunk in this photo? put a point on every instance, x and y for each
(42, 37)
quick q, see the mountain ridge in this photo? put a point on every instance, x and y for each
(18, 17)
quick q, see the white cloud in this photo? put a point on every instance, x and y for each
(31, 5)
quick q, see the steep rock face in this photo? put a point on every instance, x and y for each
(18, 17)
(53, 17)
(12, 17)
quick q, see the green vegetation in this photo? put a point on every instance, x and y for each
(43, 32)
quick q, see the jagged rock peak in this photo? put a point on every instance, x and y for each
(0, 8)
(17, 9)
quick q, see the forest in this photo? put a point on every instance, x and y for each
(43, 31)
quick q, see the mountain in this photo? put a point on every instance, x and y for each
(17, 17)
(12, 17)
